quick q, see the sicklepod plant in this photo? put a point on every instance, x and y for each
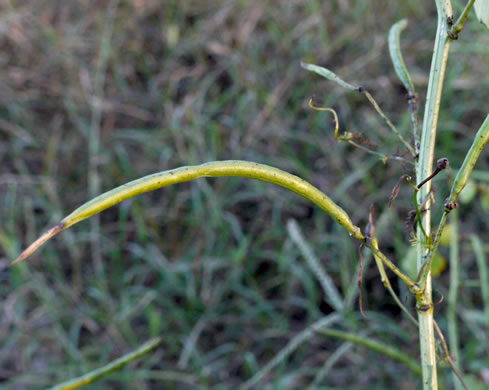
(420, 150)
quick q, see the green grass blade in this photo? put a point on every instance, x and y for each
(111, 367)
(374, 345)
(328, 365)
(483, 272)
(331, 292)
(291, 346)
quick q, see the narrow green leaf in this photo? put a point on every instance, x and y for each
(374, 345)
(331, 293)
(396, 55)
(329, 75)
(481, 258)
(111, 367)
(482, 11)
(296, 342)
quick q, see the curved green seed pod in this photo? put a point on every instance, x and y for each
(396, 55)
(213, 169)
(467, 167)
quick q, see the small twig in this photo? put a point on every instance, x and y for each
(424, 270)
(459, 24)
(401, 275)
(370, 237)
(419, 220)
(382, 156)
(387, 120)
(426, 267)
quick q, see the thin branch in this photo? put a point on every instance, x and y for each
(459, 24)
(388, 122)
(370, 234)
(426, 267)
(347, 137)
(418, 215)
(406, 279)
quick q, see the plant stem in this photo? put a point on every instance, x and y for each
(424, 168)
(481, 139)
(389, 123)
(379, 255)
(418, 214)
(387, 284)
(425, 269)
(459, 24)
(453, 294)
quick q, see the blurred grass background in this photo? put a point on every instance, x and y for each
(97, 93)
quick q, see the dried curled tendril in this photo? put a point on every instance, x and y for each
(355, 139)
(348, 136)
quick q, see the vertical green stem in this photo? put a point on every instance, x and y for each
(423, 169)
(453, 295)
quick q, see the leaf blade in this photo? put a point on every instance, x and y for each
(482, 11)
(396, 55)
(328, 74)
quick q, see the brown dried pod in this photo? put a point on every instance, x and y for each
(395, 190)
(442, 163)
